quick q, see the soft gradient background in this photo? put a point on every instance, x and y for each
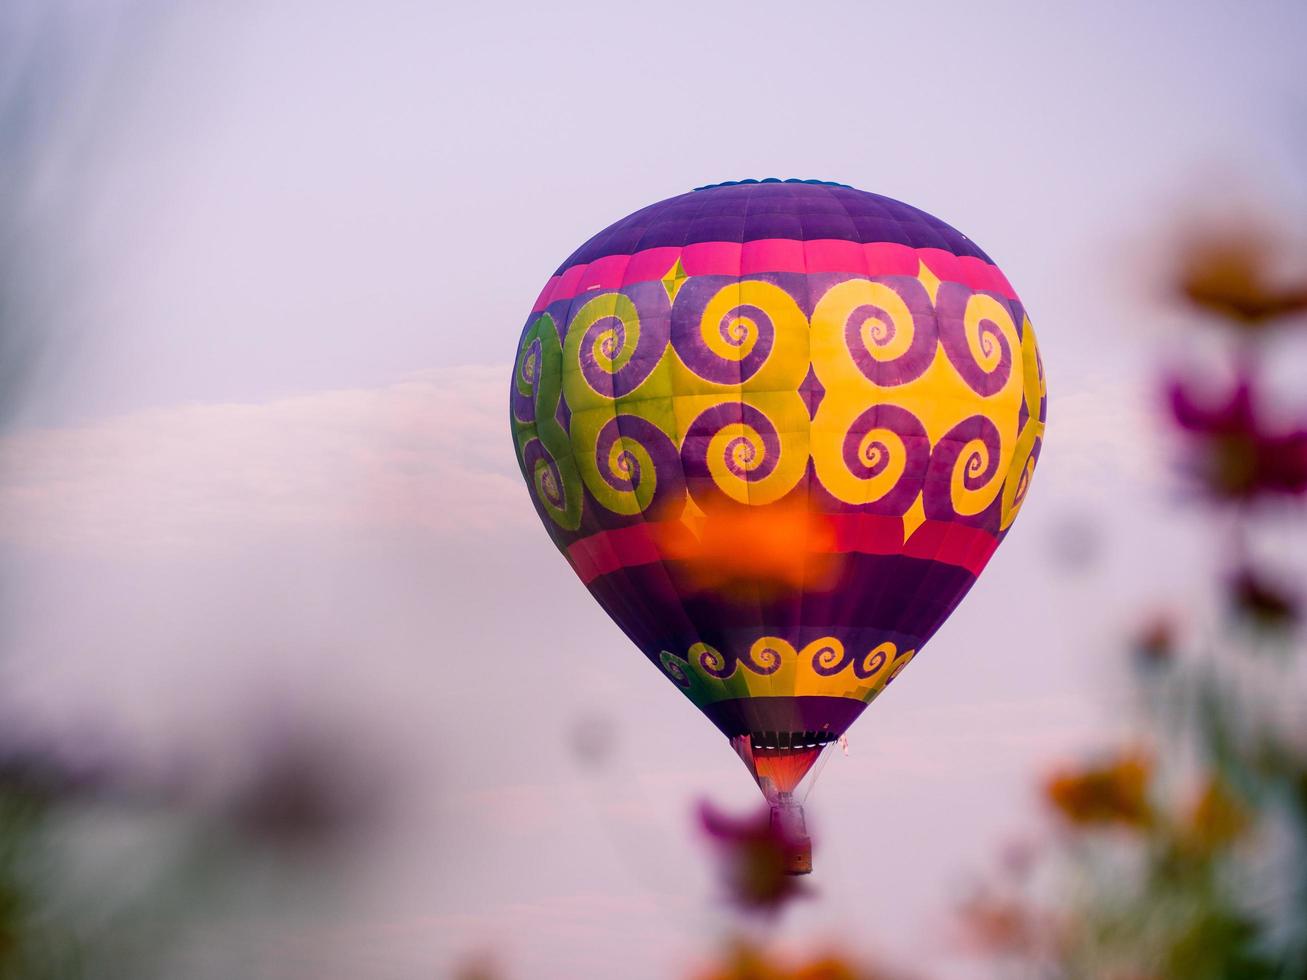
(281, 254)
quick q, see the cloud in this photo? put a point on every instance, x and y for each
(429, 454)
(1103, 440)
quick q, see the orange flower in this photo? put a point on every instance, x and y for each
(999, 925)
(746, 961)
(1229, 276)
(1115, 792)
(1216, 819)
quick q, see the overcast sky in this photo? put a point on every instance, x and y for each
(268, 459)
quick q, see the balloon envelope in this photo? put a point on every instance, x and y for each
(778, 428)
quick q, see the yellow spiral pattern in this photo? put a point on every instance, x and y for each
(771, 664)
(876, 339)
(731, 333)
(1022, 468)
(877, 446)
(868, 342)
(973, 461)
(987, 352)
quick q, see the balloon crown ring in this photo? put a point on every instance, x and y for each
(773, 180)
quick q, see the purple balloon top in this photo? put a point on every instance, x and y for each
(798, 210)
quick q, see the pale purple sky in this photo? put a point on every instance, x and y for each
(272, 453)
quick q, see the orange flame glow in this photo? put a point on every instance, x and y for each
(753, 550)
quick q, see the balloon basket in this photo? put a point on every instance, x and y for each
(787, 824)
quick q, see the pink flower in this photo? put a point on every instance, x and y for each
(755, 855)
(1235, 455)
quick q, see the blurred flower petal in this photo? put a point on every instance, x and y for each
(1217, 818)
(1234, 455)
(755, 854)
(1112, 793)
(1230, 276)
(1262, 602)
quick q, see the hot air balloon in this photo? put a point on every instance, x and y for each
(778, 428)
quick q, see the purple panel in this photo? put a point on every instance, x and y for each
(797, 211)
(875, 597)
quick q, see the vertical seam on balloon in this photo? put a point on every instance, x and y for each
(847, 602)
(689, 624)
(805, 306)
(677, 628)
(740, 396)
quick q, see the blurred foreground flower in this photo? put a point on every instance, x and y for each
(1155, 642)
(1113, 793)
(754, 853)
(1005, 926)
(1234, 454)
(479, 966)
(1231, 276)
(1262, 602)
(44, 779)
(68, 902)
(1217, 819)
(746, 961)
(1212, 884)
(33, 788)
(304, 796)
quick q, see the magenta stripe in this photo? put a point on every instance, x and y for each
(773, 255)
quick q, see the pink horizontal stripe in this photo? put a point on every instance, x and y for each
(773, 255)
(945, 541)
(953, 544)
(867, 534)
